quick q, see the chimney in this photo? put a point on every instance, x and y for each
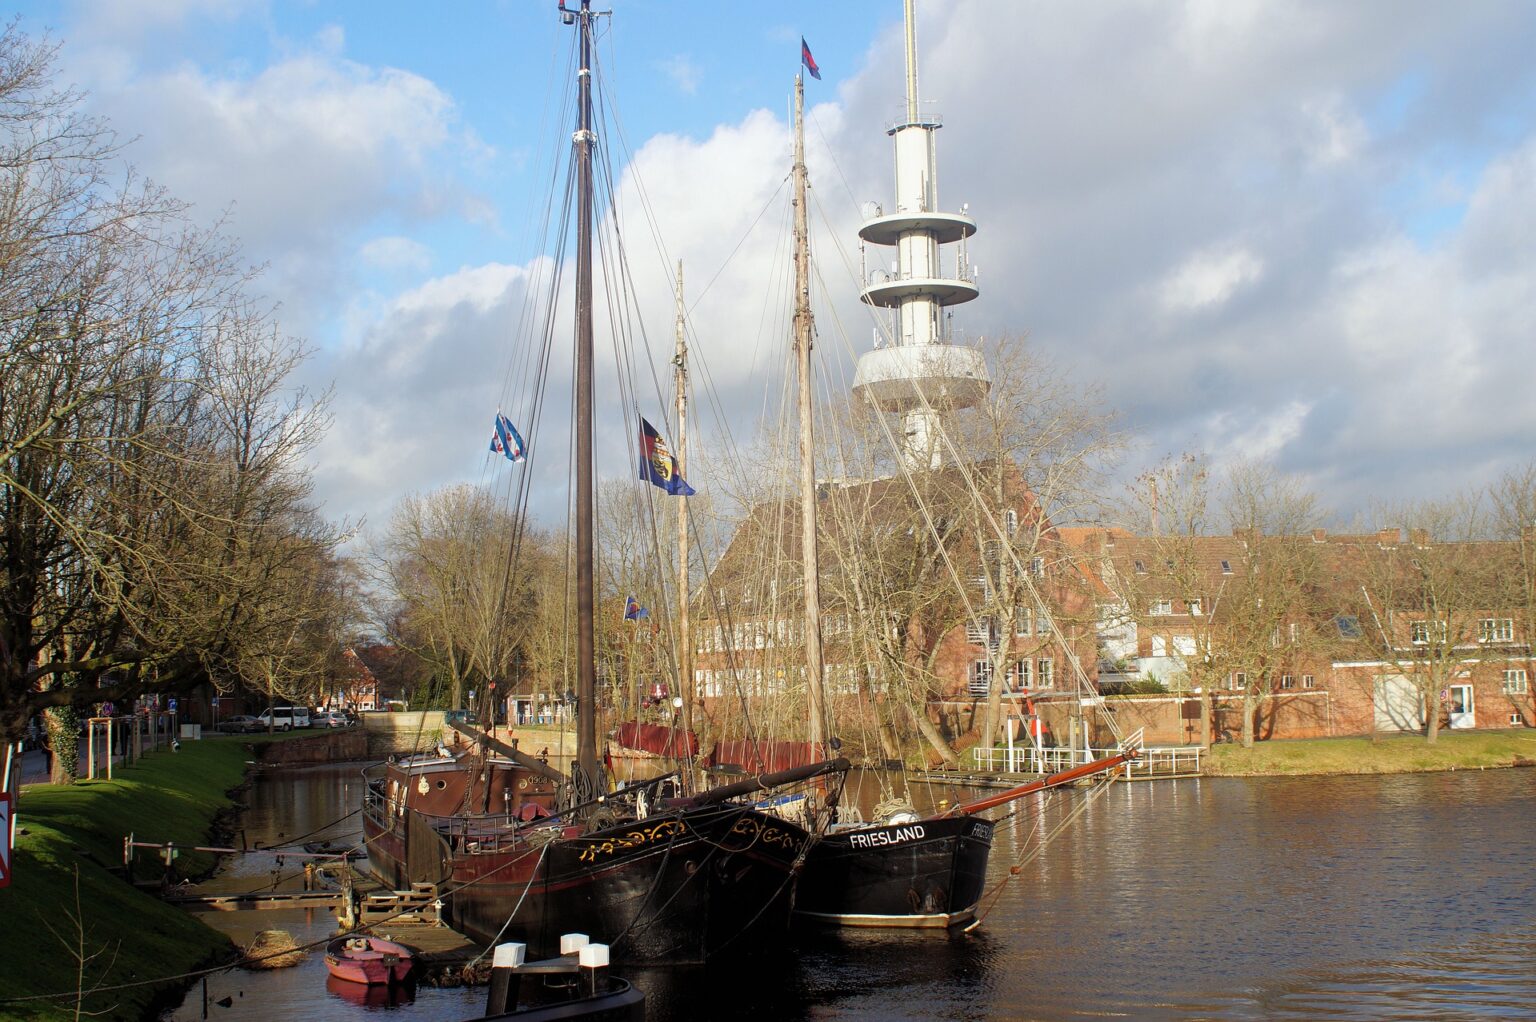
(1418, 537)
(1109, 536)
(1389, 537)
(1319, 535)
(1528, 533)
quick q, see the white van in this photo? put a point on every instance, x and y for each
(285, 718)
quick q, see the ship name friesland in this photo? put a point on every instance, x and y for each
(888, 837)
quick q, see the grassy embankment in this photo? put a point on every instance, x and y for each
(1395, 754)
(68, 895)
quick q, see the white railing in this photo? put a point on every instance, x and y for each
(1154, 761)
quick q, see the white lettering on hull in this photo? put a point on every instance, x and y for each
(895, 836)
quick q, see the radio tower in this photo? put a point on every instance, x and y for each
(920, 374)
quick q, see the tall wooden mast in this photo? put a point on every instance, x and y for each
(584, 773)
(685, 640)
(808, 544)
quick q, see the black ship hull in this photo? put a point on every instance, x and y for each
(683, 887)
(925, 874)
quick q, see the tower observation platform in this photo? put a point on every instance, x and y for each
(919, 373)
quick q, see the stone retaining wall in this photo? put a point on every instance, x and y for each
(336, 746)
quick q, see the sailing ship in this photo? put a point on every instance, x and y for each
(903, 869)
(518, 850)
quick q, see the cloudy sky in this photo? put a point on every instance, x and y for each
(1298, 231)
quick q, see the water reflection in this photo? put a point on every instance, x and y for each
(1350, 897)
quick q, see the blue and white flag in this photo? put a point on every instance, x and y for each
(506, 439)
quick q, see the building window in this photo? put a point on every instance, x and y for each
(1516, 720)
(1496, 630)
(1423, 632)
(1307, 681)
(1045, 672)
(1010, 521)
(1018, 674)
(1226, 567)
(1295, 632)
(1515, 683)
(1159, 645)
(1348, 626)
(1037, 566)
(1194, 606)
(1141, 568)
(1023, 620)
(1239, 681)
(1162, 607)
(981, 677)
(1184, 645)
(1287, 681)
(1043, 622)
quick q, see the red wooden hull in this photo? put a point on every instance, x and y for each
(368, 960)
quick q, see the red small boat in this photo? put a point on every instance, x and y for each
(371, 960)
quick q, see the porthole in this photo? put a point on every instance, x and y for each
(441, 785)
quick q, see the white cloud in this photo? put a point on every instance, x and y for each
(396, 253)
(1209, 278)
(683, 72)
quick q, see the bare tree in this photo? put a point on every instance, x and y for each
(149, 462)
(1428, 594)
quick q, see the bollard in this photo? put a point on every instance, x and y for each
(572, 943)
(594, 965)
(505, 961)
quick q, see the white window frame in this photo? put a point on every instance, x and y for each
(1496, 629)
(1287, 681)
(980, 681)
(1017, 678)
(1010, 521)
(1023, 620)
(1237, 681)
(1195, 606)
(1516, 682)
(1161, 608)
(1045, 672)
(1308, 681)
(1419, 632)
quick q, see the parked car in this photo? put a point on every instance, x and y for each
(241, 724)
(331, 718)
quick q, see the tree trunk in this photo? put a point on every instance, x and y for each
(930, 731)
(1205, 717)
(1250, 708)
(1431, 718)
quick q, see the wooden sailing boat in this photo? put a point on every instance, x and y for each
(519, 851)
(906, 870)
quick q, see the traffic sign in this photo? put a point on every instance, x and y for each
(5, 839)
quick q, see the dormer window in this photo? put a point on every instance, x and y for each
(1226, 567)
(1162, 607)
(1491, 629)
(1141, 568)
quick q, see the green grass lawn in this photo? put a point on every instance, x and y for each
(1452, 750)
(67, 891)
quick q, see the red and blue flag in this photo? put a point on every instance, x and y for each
(808, 60)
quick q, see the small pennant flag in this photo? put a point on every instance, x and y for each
(506, 441)
(808, 60)
(657, 464)
(633, 611)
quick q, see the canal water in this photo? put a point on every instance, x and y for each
(1395, 897)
